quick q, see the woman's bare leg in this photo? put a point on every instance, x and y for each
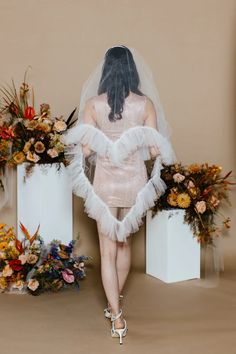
(123, 259)
(108, 251)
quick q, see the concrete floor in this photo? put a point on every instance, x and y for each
(162, 318)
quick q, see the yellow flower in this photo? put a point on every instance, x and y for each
(172, 199)
(3, 283)
(193, 192)
(3, 246)
(13, 253)
(60, 147)
(2, 226)
(183, 200)
(27, 147)
(19, 157)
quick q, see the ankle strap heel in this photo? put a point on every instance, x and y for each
(118, 332)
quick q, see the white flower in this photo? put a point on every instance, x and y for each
(178, 177)
(7, 271)
(31, 156)
(18, 285)
(33, 284)
(60, 126)
(22, 258)
(32, 258)
(2, 255)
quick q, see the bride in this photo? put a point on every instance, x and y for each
(121, 124)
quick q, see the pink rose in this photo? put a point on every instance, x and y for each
(68, 276)
(201, 206)
(52, 153)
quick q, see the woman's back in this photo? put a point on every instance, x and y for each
(133, 114)
(118, 186)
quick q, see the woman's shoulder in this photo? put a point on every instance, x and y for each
(96, 98)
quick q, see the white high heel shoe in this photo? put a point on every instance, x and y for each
(118, 332)
(107, 310)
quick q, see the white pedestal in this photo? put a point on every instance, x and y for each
(45, 198)
(172, 253)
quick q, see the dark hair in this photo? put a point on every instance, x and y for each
(119, 77)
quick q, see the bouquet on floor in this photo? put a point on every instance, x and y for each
(17, 258)
(28, 135)
(59, 269)
(199, 189)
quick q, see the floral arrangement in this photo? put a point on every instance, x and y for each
(58, 270)
(29, 266)
(17, 258)
(200, 191)
(27, 135)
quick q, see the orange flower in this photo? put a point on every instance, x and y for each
(194, 168)
(7, 133)
(43, 127)
(172, 199)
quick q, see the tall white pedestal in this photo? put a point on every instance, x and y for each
(45, 198)
(172, 253)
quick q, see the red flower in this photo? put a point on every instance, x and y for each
(7, 133)
(15, 265)
(29, 113)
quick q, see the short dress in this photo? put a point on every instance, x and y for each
(116, 185)
(114, 175)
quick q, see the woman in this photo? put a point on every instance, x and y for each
(118, 132)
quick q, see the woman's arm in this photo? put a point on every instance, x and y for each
(88, 118)
(150, 120)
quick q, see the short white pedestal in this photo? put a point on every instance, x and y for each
(45, 198)
(172, 253)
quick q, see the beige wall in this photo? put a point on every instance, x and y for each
(190, 45)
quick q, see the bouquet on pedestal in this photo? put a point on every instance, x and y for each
(27, 135)
(200, 190)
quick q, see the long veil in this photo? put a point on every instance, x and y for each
(212, 259)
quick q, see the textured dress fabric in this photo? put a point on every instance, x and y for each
(116, 185)
(119, 151)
